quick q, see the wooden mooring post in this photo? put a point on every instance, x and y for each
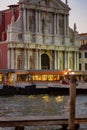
(72, 103)
(19, 128)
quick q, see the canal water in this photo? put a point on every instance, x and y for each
(40, 105)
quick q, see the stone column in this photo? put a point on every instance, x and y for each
(39, 59)
(39, 22)
(54, 23)
(8, 59)
(55, 60)
(36, 59)
(36, 21)
(57, 23)
(15, 61)
(28, 60)
(58, 61)
(65, 25)
(66, 60)
(24, 19)
(12, 58)
(25, 59)
(75, 63)
(28, 21)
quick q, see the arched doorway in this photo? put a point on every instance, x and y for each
(45, 61)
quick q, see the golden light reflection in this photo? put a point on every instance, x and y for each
(65, 73)
(0, 77)
(46, 98)
(72, 73)
(31, 96)
(10, 78)
(59, 98)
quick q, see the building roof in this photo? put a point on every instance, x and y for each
(83, 34)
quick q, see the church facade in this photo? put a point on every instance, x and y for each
(35, 34)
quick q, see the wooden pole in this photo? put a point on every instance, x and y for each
(72, 103)
(19, 128)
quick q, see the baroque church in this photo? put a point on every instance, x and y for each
(35, 34)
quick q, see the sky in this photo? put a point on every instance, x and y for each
(77, 14)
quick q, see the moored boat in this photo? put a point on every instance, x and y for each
(63, 89)
(27, 81)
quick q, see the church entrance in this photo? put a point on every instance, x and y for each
(45, 61)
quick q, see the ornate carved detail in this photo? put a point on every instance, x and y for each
(46, 23)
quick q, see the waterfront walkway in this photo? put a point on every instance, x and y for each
(20, 122)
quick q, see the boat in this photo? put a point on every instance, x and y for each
(56, 89)
(64, 89)
(25, 82)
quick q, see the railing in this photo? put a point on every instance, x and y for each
(20, 122)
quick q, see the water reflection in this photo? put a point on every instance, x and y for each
(46, 98)
(40, 105)
(59, 98)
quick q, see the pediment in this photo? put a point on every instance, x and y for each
(57, 4)
(53, 3)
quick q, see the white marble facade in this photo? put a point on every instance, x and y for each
(41, 37)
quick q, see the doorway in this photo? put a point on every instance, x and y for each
(45, 61)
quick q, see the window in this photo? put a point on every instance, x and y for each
(83, 42)
(85, 54)
(85, 66)
(80, 67)
(79, 55)
(20, 36)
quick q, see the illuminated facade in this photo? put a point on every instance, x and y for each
(35, 34)
(83, 52)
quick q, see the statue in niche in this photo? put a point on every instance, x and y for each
(46, 20)
(44, 26)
